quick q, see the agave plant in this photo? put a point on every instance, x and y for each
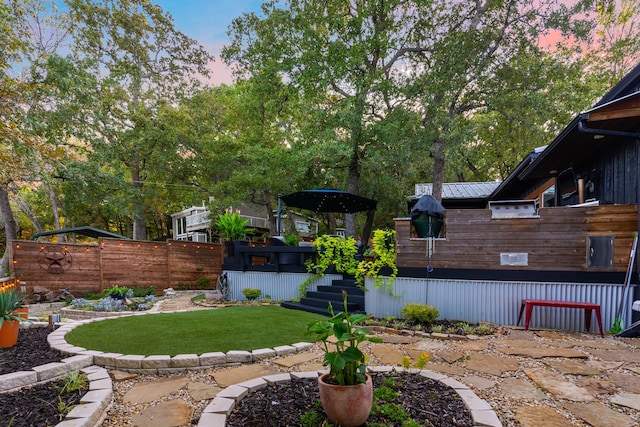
(10, 301)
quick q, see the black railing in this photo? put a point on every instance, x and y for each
(270, 258)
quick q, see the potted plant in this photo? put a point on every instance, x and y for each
(231, 227)
(118, 292)
(10, 301)
(346, 392)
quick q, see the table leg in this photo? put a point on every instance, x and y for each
(527, 316)
(587, 318)
(521, 311)
(599, 318)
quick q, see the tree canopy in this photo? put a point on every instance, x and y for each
(117, 129)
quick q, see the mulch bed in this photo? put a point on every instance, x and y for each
(31, 350)
(426, 401)
(36, 405)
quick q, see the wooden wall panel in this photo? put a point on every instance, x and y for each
(557, 240)
(92, 268)
(56, 266)
(187, 261)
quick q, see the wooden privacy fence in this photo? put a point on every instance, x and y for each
(83, 268)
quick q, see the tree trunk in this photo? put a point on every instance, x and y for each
(438, 170)
(273, 226)
(139, 223)
(10, 229)
(353, 180)
(56, 213)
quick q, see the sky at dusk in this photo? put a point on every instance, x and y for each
(207, 21)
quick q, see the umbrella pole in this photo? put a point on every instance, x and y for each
(279, 212)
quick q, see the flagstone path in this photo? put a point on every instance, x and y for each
(530, 378)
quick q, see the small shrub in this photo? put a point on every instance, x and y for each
(385, 393)
(81, 303)
(203, 282)
(251, 293)
(182, 286)
(437, 328)
(424, 314)
(140, 291)
(392, 411)
(311, 419)
(109, 304)
(485, 328)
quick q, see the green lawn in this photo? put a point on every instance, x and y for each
(230, 328)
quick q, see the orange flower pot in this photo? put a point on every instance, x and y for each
(9, 333)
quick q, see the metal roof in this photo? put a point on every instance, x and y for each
(460, 190)
(85, 231)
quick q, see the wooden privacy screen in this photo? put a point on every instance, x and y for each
(556, 240)
(83, 268)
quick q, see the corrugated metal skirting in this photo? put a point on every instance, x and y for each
(277, 286)
(499, 302)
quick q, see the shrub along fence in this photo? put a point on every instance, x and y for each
(90, 268)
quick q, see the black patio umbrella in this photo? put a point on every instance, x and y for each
(329, 200)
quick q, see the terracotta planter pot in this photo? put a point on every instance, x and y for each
(348, 405)
(22, 312)
(9, 333)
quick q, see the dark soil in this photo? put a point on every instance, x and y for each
(37, 405)
(297, 403)
(31, 350)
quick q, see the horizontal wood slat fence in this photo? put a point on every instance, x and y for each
(84, 268)
(556, 240)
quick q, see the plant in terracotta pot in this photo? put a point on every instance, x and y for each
(10, 301)
(346, 392)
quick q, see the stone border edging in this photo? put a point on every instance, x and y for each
(215, 413)
(157, 364)
(94, 404)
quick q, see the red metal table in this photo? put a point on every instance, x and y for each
(528, 304)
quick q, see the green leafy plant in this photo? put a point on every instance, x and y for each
(437, 328)
(118, 291)
(139, 291)
(251, 293)
(10, 301)
(383, 255)
(335, 252)
(203, 282)
(346, 362)
(292, 239)
(231, 226)
(424, 314)
(485, 328)
(73, 381)
(311, 419)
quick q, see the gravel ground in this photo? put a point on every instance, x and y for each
(505, 407)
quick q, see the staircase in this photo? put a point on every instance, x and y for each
(318, 301)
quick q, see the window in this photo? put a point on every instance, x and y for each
(549, 197)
